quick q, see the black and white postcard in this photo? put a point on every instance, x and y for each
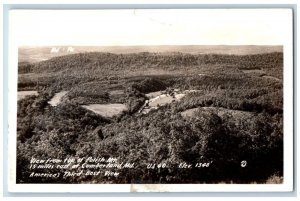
(151, 100)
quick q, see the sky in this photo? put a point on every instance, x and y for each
(150, 27)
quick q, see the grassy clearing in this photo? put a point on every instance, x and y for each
(271, 77)
(57, 98)
(106, 110)
(24, 94)
(258, 71)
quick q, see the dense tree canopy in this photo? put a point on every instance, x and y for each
(249, 126)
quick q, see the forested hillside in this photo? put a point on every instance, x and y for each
(231, 110)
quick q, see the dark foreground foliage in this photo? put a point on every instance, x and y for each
(164, 135)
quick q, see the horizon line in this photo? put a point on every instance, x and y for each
(22, 46)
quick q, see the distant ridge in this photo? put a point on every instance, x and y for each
(35, 54)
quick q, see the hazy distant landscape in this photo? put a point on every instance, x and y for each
(154, 105)
(34, 54)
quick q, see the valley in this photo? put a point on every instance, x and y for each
(155, 107)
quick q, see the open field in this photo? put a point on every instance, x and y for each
(167, 107)
(24, 94)
(56, 99)
(106, 110)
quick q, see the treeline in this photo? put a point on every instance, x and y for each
(108, 61)
(25, 67)
(270, 103)
(65, 72)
